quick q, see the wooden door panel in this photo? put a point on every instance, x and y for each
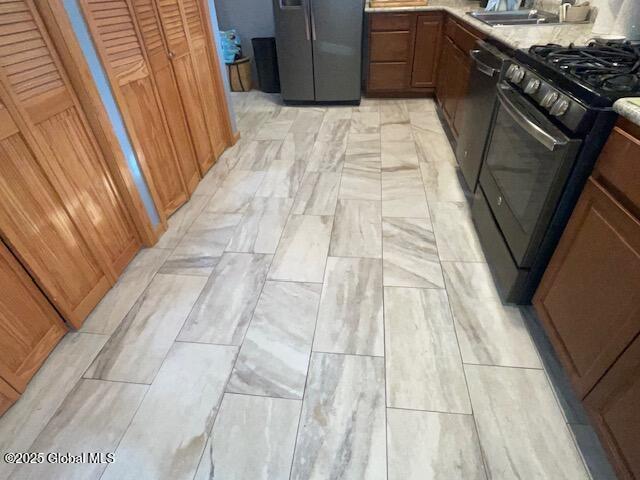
(589, 298)
(426, 51)
(157, 53)
(29, 325)
(613, 405)
(8, 396)
(37, 224)
(128, 71)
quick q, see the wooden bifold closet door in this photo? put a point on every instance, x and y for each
(122, 53)
(59, 210)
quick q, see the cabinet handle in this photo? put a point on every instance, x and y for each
(171, 55)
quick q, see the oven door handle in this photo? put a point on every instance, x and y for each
(481, 66)
(545, 138)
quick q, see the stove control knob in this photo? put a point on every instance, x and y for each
(518, 75)
(549, 99)
(511, 70)
(532, 86)
(559, 108)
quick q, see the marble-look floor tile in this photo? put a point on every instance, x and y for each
(357, 184)
(365, 122)
(489, 332)
(334, 130)
(302, 251)
(93, 418)
(168, 433)
(420, 105)
(282, 179)
(214, 178)
(202, 246)
(357, 230)
(441, 182)
(403, 194)
(455, 233)
(429, 445)
(396, 132)
(521, 429)
(23, 422)
(350, 316)
(118, 301)
(274, 356)
(224, 309)
(318, 194)
(274, 130)
(261, 226)
(284, 113)
(410, 254)
(258, 154)
(236, 192)
(394, 111)
(342, 425)
(297, 147)
(423, 364)
(253, 439)
(135, 351)
(399, 156)
(426, 120)
(250, 122)
(181, 220)
(363, 162)
(327, 156)
(309, 120)
(433, 146)
(363, 144)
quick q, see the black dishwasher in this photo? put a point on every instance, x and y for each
(479, 104)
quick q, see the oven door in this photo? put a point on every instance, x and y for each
(528, 160)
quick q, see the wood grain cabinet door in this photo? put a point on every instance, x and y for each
(614, 406)
(29, 325)
(8, 396)
(38, 89)
(426, 51)
(589, 298)
(120, 48)
(158, 54)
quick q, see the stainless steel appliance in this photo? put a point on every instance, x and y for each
(488, 64)
(552, 119)
(319, 46)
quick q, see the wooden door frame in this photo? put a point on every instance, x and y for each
(63, 37)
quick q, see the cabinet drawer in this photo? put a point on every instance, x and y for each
(387, 76)
(463, 38)
(589, 298)
(390, 46)
(618, 168)
(391, 21)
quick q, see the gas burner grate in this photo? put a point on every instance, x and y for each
(612, 67)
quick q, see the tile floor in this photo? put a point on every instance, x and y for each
(320, 309)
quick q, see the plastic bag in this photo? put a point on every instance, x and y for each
(230, 43)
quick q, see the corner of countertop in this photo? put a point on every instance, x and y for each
(629, 108)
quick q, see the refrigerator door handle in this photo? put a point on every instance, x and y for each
(313, 21)
(305, 8)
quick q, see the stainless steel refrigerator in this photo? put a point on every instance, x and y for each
(319, 45)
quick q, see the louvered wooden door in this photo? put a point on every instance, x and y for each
(60, 210)
(119, 46)
(29, 325)
(158, 55)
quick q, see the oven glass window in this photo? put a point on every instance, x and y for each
(523, 169)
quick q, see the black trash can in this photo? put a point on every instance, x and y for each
(264, 52)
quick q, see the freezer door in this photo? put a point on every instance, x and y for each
(293, 41)
(336, 29)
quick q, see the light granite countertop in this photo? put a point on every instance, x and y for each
(629, 108)
(512, 36)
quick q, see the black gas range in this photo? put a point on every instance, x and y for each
(552, 117)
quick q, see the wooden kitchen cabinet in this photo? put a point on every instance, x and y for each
(29, 326)
(589, 299)
(403, 53)
(8, 396)
(614, 408)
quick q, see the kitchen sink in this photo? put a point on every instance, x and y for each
(517, 17)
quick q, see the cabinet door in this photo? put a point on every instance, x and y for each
(426, 51)
(119, 47)
(40, 227)
(159, 60)
(29, 326)
(8, 396)
(38, 89)
(589, 298)
(613, 405)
